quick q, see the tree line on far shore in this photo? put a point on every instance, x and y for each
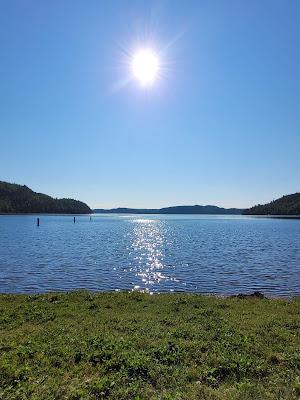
(21, 199)
(286, 205)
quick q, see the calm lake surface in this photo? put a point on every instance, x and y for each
(157, 253)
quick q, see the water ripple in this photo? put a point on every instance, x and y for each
(206, 254)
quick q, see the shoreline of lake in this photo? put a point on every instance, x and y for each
(243, 295)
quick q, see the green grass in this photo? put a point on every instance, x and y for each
(82, 345)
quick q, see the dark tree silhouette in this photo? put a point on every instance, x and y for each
(20, 199)
(286, 205)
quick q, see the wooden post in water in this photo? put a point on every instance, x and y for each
(38, 222)
(90, 219)
(74, 220)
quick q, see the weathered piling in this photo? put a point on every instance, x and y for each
(38, 222)
(74, 220)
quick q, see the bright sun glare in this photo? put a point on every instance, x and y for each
(145, 66)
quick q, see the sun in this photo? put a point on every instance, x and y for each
(145, 67)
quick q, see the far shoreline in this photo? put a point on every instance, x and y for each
(159, 214)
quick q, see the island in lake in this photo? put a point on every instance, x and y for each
(18, 199)
(173, 210)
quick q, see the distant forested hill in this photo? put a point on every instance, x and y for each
(173, 210)
(20, 199)
(286, 205)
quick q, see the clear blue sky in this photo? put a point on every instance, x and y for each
(221, 125)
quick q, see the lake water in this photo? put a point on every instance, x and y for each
(156, 253)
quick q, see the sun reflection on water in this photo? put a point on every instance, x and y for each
(149, 242)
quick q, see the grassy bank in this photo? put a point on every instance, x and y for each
(136, 346)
